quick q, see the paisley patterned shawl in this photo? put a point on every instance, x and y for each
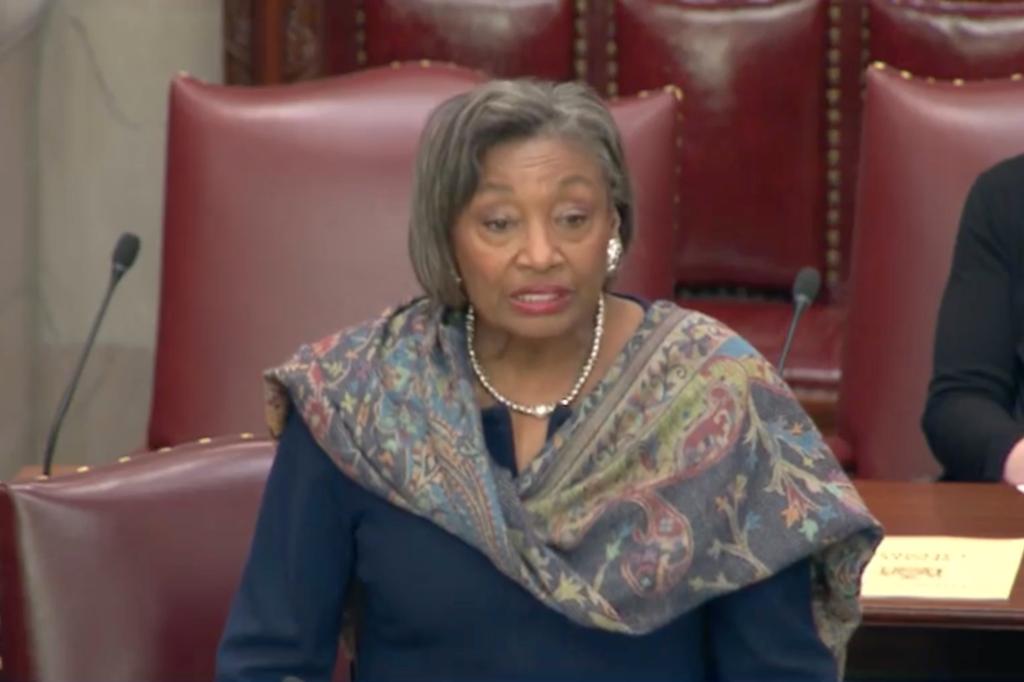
(690, 471)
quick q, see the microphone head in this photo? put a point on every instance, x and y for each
(125, 252)
(806, 284)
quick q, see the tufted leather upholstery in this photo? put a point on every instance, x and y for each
(286, 219)
(768, 159)
(949, 40)
(924, 143)
(125, 573)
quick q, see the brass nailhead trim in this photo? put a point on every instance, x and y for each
(931, 80)
(124, 460)
(81, 469)
(204, 441)
(833, 137)
(580, 44)
(865, 46)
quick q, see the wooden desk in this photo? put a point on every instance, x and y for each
(916, 639)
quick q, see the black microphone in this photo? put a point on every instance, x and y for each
(805, 290)
(125, 252)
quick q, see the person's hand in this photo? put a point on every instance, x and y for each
(1013, 469)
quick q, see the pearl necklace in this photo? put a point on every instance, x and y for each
(542, 410)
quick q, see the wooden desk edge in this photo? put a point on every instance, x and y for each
(975, 616)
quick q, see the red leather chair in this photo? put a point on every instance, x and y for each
(286, 219)
(768, 162)
(125, 573)
(923, 144)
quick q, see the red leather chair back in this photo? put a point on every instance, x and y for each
(125, 573)
(768, 163)
(923, 145)
(286, 219)
(943, 39)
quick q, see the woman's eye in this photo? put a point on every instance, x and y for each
(498, 224)
(575, 219)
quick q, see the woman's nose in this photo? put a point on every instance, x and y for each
(540, 251)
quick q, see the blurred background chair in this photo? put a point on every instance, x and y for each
(923, 144)
(286, 219)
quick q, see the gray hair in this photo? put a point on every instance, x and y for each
(464, 128)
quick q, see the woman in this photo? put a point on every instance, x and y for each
(522, 476)
(972, 418)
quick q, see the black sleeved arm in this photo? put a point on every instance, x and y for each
(969, 416)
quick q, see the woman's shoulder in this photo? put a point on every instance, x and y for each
(392, 326)
(1008, 174)
(693, 326)
(343, 365)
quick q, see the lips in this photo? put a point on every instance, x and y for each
(541, 300)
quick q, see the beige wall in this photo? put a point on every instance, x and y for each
(102, 69)
(18, 77)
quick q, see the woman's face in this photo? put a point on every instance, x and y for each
(531, 244)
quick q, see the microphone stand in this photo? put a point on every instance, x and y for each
(801, 304)
(69, 392)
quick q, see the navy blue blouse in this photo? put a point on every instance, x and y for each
(433, 608)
